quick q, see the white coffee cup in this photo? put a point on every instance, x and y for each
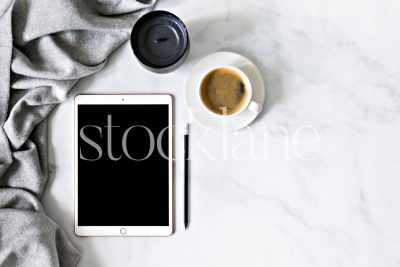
(248, 104)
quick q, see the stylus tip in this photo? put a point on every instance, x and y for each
(186, 226)
(186, 129)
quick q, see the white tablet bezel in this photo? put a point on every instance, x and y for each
(123, 230)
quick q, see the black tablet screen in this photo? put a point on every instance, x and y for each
(122, 165)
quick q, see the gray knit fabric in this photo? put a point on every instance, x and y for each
(45, 47)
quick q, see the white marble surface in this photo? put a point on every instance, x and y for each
(318, 184)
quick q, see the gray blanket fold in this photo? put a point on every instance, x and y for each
(45, 47)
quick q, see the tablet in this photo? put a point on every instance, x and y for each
(123, 165)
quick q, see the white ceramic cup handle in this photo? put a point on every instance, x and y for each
(254, 107)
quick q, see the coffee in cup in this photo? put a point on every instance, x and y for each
(225, 91)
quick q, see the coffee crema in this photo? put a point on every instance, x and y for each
(223, 91)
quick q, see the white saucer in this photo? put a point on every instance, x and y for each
(211, 61)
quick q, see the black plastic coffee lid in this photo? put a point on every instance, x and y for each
(160, 40)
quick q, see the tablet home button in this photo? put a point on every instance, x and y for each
(122, 231)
